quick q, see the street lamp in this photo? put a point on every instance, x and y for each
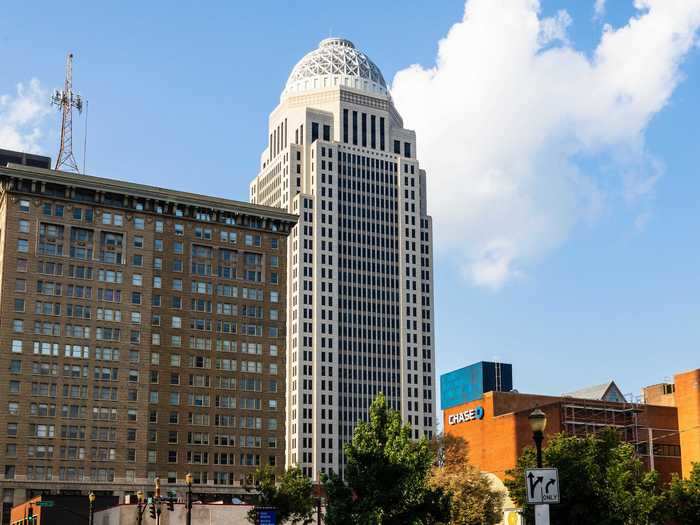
(538, 422)
(91, 499)
(140, 507)
(188, 502)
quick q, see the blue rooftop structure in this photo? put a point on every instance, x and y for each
(469, 383)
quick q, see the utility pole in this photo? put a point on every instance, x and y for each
(66, 100)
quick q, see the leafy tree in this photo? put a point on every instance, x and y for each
(601, 481)
(291, 495)
(682, 499)
(474, 501)
(386, 477)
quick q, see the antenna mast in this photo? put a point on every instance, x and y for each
(65, 100)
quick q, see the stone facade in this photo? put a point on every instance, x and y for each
(360, 258)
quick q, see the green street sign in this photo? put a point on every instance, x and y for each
(44, 503)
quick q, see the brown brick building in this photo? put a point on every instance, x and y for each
(142, 334)
(496, 426)
(684, 394)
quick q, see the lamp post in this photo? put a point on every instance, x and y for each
(140, 507)
(91, 499)
(319, 503)
(188, 501)
(538, 422)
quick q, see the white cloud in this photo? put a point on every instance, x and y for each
(599, 8)
(22, 116)
(509, 109)
(553, 29)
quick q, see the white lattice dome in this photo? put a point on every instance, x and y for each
(336, 62)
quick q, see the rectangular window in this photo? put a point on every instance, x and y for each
(354, 128)
(397, 147)
(345, 126)
(407, 149)
(364, 130)
(314, 131)
(326, 132)
(381, 134)
(373, 131)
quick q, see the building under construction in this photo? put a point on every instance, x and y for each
(495, 423)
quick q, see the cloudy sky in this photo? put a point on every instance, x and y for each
(560, 140)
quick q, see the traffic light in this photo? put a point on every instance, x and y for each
(152, 510)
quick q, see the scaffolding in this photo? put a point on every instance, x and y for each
(582, 417)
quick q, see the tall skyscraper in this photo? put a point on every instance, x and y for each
(360, 304)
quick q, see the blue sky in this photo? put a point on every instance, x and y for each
(179, 96)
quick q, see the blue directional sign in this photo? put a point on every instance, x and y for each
(267, 517)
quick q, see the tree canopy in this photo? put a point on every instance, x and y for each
(386, 476)
(681, 501)
(473, 500)
(290, 495)
(601, 481)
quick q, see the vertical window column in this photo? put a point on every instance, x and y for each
(364, 130)
(381, 134)
(345, 126)
(354, 128)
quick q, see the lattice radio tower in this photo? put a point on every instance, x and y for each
(65, 100)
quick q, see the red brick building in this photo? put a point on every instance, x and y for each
(665, 434)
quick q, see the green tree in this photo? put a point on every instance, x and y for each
(601, 481)
(386, 477)
(682, 499)
(473, 500)
(290, 495)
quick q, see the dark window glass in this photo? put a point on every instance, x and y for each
(407, 149)
(364, 130)
(373, 131)
(314, 131)
(326, 132)
(345, 126)
(354, 128)
(381, 134)
(397, 147)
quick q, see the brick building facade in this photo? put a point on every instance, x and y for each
(142, 334)
(664, 427)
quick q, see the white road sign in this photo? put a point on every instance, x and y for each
(542, 485)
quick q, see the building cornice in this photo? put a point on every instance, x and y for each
(15, 172)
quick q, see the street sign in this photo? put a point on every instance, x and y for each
(267, 517)
(542, 485)
(44, 503)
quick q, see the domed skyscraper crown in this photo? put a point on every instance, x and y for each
(336, 62)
